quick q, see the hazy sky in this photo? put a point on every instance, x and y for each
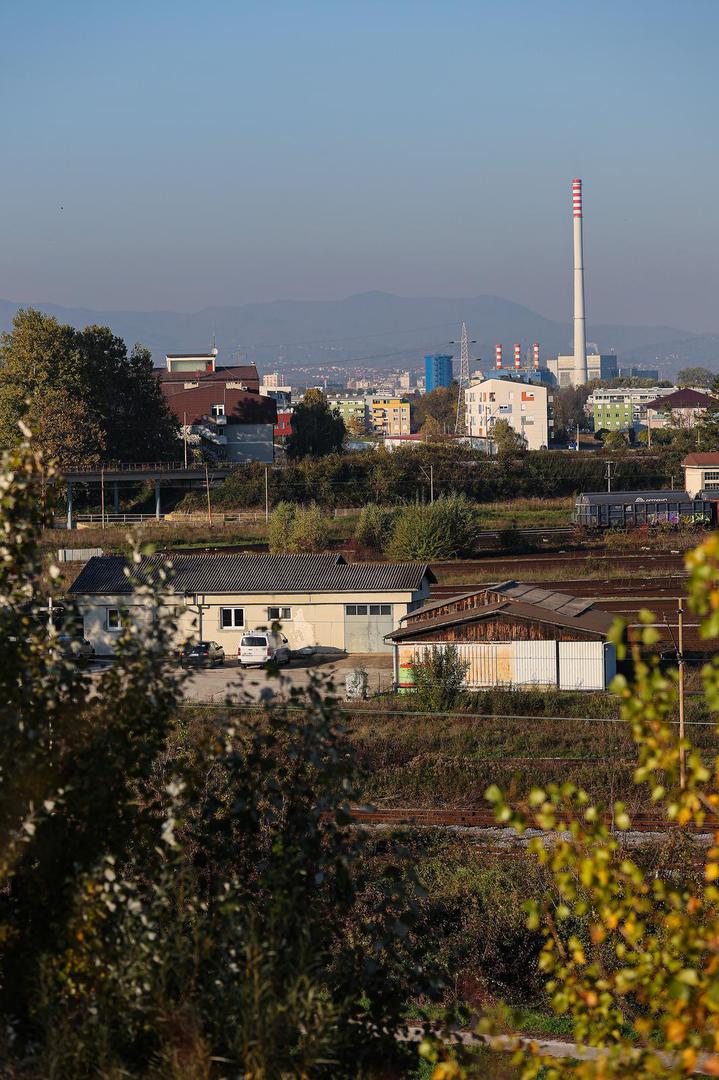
(214, 153)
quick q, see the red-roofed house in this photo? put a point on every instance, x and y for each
(220, 408)
(681, 409)
(701, 472)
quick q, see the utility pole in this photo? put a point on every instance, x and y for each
(609, 465)
(102, 497)
(682, 748)
(267, 495)
(184, 434)
(209, 504)
(431, 483)
(577, 435)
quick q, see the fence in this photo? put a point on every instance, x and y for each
(567, 665)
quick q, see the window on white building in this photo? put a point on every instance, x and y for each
(218, 410)
(117, 619)
(232, 617)
(277, 613)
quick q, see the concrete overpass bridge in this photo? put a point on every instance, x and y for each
(172, 473)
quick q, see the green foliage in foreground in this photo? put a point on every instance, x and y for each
(632, 957)
(166, 905)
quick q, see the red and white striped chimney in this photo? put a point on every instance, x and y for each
(517, 356)
(535, 356)
(498, 357)
(580, 337)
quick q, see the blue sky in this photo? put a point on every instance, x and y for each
(215, 153)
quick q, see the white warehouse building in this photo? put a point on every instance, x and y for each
(320, 600)
(524, 405)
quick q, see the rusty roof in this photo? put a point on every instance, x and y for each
(516, 600)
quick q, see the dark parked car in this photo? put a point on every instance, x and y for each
(202, 654)
(75, 648)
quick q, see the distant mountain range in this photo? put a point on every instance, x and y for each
(379, 330)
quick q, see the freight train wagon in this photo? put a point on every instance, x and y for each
(625, 509)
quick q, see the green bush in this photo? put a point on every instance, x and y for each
(439, 678)
(374, 527)
(445, 529)
(279, 532)
(295, 529)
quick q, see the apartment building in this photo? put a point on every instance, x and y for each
(525, 406)
(388, 415)
(353, 410)
(623, 408)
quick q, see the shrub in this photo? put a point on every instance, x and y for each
(439, 678)
(309, 530)
(279, 532)
(374, 526)
(294, 529)
(445, 529)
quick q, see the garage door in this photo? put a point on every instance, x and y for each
(366, 626)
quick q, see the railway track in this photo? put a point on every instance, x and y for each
(641, 822)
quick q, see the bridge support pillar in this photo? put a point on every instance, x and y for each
(70, 522)
(157, 499)
(116, 497)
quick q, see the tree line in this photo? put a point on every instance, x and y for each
(406, 475)
(86, 399)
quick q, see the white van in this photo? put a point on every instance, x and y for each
(261, 646)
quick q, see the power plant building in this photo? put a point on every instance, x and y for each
(437, 372)
(565, 372)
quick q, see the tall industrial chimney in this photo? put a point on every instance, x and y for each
(535, 356)
(580, 336)
(517, 357)
(498, 357)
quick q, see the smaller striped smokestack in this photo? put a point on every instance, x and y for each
(517, 357)
(498, 357)
(535, 356)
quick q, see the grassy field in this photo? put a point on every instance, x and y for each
(513, 739)
(526, 513)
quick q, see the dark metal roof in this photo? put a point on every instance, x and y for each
(561, 603)
(594, 498)
(232, 574)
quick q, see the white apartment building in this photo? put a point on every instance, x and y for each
(623, 408)
(525, 406)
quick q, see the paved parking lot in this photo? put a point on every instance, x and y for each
(218, 683)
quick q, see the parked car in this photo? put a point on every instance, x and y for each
(261, 646)
(75, 648)
(202, 654)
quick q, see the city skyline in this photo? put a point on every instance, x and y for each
(180, 158)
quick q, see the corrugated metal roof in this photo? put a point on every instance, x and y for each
(240, 574)
(560, 602)
(592, 622)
